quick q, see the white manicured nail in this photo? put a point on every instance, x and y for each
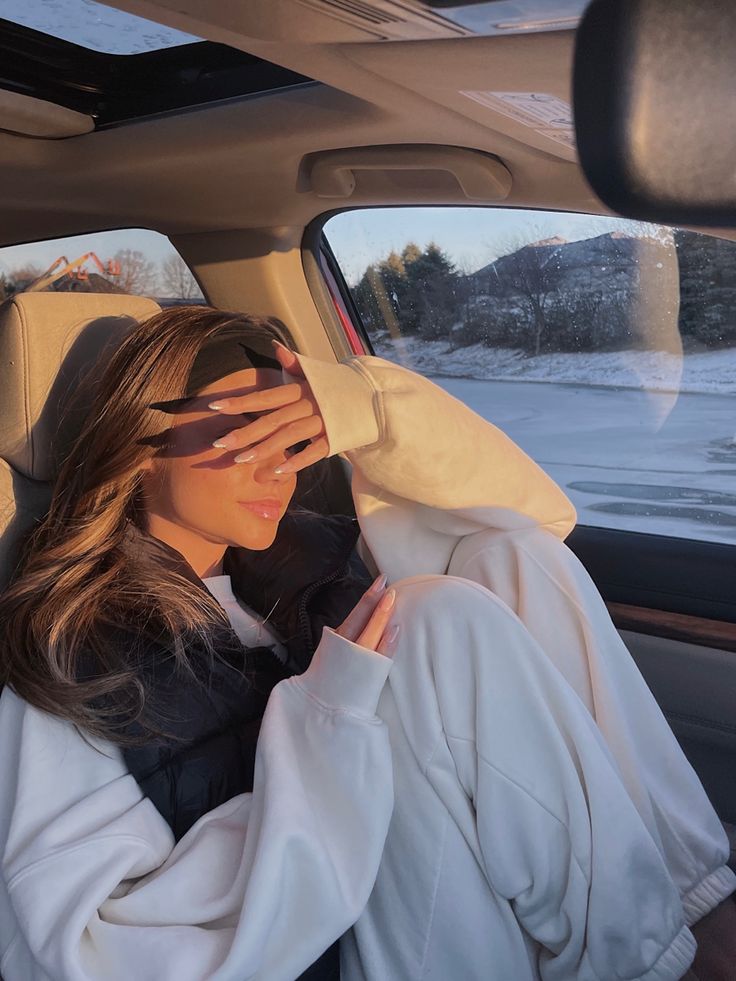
(391, 634)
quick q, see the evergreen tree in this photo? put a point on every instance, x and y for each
(415, 292)
(432, 295)
(411, 253)
(707, 288)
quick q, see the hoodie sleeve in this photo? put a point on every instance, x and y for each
(544, 582)
(427, 470)
(258, 888)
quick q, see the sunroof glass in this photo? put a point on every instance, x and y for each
(94, 26)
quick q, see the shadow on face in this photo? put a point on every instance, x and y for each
(198, 488)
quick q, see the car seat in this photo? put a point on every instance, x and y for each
(48, 342)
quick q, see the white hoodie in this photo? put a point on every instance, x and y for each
(94, 887)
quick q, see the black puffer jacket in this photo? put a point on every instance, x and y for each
(311, 576)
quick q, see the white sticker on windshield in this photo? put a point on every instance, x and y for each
(545, 114)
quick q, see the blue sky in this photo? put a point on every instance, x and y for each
(472, 237)
(105, 244)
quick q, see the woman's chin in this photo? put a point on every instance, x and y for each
(257, 539)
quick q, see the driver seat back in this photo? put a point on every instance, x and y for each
(48, 343)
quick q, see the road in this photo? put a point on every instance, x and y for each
(645, 461)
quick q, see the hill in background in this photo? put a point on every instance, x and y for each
(612, 292)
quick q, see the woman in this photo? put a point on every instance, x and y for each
(493, 780)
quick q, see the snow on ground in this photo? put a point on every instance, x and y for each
(639, 440)
(659, 371)
(641, 461)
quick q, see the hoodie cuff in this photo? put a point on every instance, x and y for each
(708, 894)
(347, 402)
(345, 676)
(675, 960)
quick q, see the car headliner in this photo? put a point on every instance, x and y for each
(240, 164)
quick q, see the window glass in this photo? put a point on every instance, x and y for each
(93, 25)
(133, 260)
(605, 348)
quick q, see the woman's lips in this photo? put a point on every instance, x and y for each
(264, 509)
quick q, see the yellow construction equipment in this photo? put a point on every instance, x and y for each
(63, 267)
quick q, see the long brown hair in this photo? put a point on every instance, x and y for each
(74, 581)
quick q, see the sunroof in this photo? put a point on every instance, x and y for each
(94, 26)
(174, 72)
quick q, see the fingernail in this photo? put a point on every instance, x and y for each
(388, 600)
(246, 457)
(221, 445)
(218, 405)
(392, 633)
(379, 583)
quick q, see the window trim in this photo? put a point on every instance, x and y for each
(717, 634)
(331, 295)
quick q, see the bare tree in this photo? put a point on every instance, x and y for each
(177, 280)
(137, 272)
(575, 314)
(465, 290)
(532, 273)
(25, 274)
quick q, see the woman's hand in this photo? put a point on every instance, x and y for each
(296, 417)
(366, 624)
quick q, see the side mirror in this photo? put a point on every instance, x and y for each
(654, 96)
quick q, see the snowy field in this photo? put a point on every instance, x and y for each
(705, 371)
(629, 452)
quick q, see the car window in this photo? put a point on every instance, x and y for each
(605, 348)
(133, 260)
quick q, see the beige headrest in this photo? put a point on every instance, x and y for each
(48, 342)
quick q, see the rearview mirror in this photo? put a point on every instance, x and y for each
(654, 95)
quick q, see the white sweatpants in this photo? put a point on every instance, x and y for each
(515, 851)
(550, 590)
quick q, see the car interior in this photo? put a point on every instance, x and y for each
(242, 141)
